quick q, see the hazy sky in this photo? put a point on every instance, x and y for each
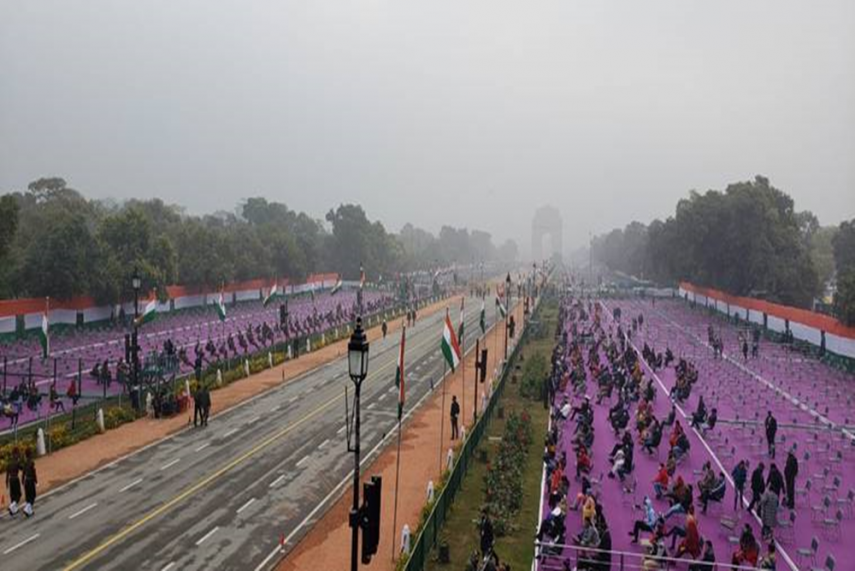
(462, 112)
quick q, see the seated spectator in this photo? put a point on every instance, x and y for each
(707, 560)
(647, 523)
(715, 493)
(748, 551)
(660, 482)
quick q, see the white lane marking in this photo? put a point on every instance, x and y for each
(207, 535)
(246, 505)
(302, 461)
(384, 395)
(393, 389)
(131, 485)
(371, 406)
(230, 432)
(324, 443)
(169, 566)
(170, 464)
(275, 408)
(275, 482)
(21, 544)
(253, 419)
(83, 511)
(278, 549)
(293, 399)
(200, 448)
(340, 430)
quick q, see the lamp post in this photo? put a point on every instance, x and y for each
(136, 282)
(357, 365)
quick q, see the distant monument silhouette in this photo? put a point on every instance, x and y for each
(547, 221)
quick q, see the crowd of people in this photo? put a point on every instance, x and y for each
(591, 351)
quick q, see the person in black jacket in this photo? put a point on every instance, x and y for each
(791, 470)
(775, 481)
(758, 485)
(30, 482)
(771, 430)
(455, 413)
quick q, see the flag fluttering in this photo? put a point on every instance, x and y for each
(149, 312)
(450, 346)
(274, 294)
(221, 307)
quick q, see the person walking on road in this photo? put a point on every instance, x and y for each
(30, 483)
(384, 328)
(206, 405)
(13, 481)
(455, 413)
(197, 405)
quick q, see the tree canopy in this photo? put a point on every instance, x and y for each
(55, 242)
(747, 240)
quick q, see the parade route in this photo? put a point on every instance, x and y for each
(224, 496)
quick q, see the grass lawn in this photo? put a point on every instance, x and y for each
(460, 529)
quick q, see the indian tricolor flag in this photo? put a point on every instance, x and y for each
(272, 295)
(503, 311)
(450, 346)
(44, 335)
(361, 277)
(221, 308)
(148, 313)
(337, 287)
(400, 374)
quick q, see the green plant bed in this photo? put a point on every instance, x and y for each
(514, 536)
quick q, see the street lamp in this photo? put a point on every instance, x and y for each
(357, 366)
(136, 282)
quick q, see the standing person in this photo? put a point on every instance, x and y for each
(455, 412)
(775, 481)
(740, 475)
(206, 405)
(758, 486)
(384, 328)
(768, 509)
(197, 405)
(791, 470)
(771, 430)
(13, 480)
(30, 482)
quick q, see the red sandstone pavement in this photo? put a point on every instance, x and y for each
(327, 545)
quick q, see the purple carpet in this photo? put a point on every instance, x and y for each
(71, 347)
(812, 404)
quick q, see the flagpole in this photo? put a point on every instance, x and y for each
(442, 413)
(463, 362)
(397, 479)
(401, 394)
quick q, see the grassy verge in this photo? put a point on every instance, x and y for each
(460, 531)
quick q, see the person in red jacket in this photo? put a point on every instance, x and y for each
(660, 482)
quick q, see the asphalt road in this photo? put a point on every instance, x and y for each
(223, 497)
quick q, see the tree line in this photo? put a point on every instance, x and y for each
(747, 240)
(55, 242)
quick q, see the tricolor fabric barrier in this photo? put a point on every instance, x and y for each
(808, 326)
(83, 310)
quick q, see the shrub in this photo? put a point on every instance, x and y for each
(503, 481)
(533, 374)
